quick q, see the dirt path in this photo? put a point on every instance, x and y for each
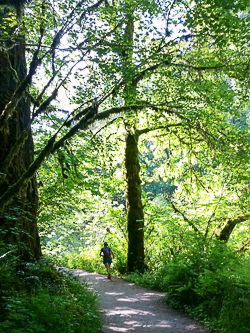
(126, 307)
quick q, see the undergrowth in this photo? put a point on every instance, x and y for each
(210, 283)
(89, 259)
(35, 297)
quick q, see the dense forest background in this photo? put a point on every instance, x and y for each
(124, 121)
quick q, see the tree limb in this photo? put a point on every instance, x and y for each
(244, 247)
(147, 130)
(230, 225)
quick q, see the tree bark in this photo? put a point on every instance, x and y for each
(229, 227)
(18, 221)
(135, 216)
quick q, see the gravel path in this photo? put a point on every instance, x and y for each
(126, 307)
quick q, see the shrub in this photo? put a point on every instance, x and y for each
(209, 282)
(35, 297)
(89, 259)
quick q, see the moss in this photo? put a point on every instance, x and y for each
(135, 217)
(18, 219)
(17, 187)
(14, 150)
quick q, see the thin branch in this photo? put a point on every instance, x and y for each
(138, 77)
(106, 125)
(47, 102)
(217, 205)
(176, 210)
(202, 68)
(244, 247)
(171, 7)
(51, 80)
(147, 130)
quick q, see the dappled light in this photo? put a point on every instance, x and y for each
(124, 151)
(126, 307)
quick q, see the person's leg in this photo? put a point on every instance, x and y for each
(109, 276)
(107, 265)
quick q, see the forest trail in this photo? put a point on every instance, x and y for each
(126, 307)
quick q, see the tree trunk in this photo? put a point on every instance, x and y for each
(135, 217)
(18, 221)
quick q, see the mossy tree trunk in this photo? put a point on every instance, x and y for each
(135, 217)
(18, 221)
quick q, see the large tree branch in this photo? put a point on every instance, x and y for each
(230, 225)
(53, 146)
(138, 77)
(21, 139)
(167, 108)
(81, 125)
(134, 107)
(87, 119)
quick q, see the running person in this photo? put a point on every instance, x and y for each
(107, 260)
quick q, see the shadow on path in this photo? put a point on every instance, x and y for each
(126, 307)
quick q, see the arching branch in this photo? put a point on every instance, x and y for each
(230, 225)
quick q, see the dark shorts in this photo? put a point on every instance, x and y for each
(107, 259)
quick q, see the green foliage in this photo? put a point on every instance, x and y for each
(197, 275)
(190, 63)
(80, 211)
(89, 258)
(209, 282)
(35, 297)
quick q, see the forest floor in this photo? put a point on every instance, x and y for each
(126, 307)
